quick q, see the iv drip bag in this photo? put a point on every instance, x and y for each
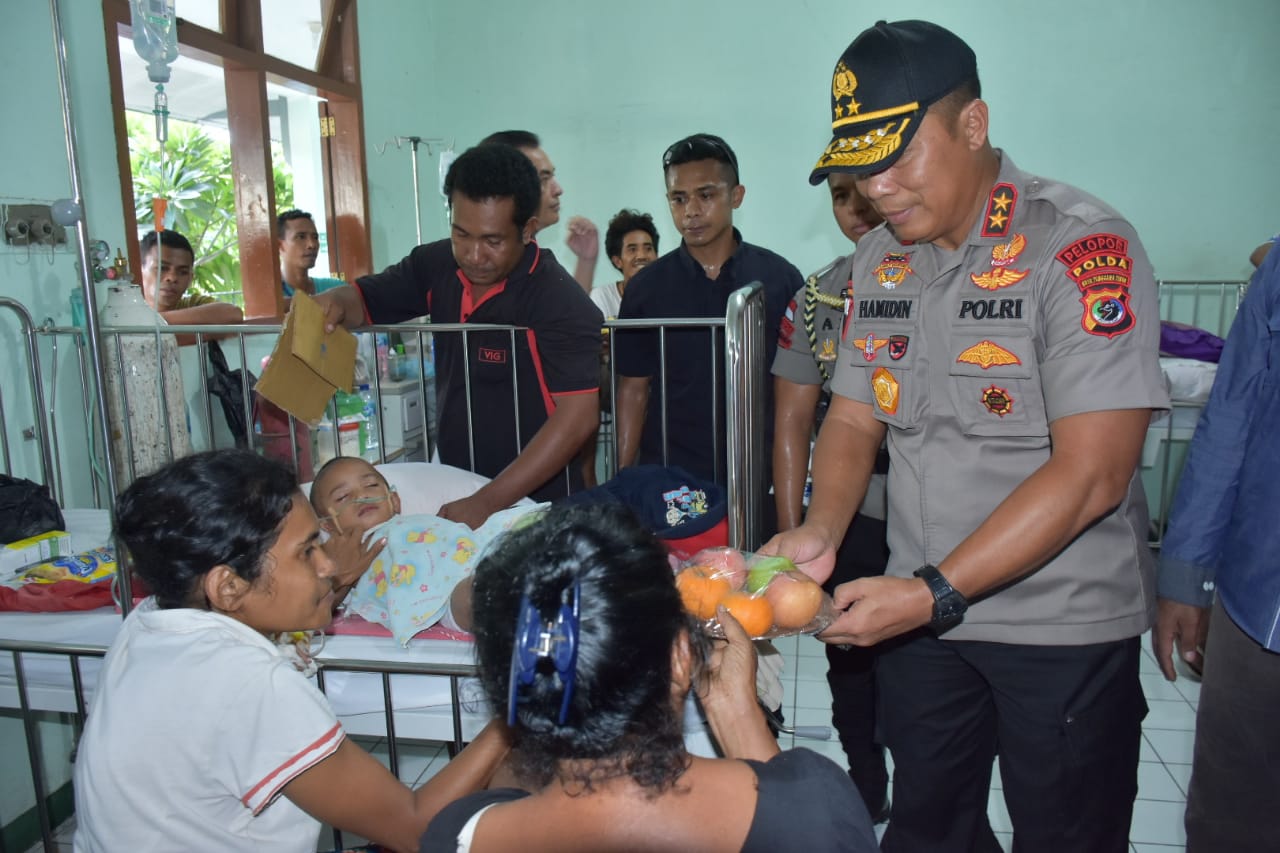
(155, 35)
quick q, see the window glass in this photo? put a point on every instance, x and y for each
(291, 31)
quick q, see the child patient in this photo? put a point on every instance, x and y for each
(423, 574)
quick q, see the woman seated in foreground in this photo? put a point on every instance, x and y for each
(581, 637)
(201, 735)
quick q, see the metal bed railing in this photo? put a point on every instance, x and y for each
(738, 339)
(1211, 306)
(29, 710)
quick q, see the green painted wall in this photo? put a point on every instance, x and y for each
(1165, 109)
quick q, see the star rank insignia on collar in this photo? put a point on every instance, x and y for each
(998, 219)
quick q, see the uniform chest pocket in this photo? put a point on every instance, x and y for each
(995, 384)
(884, 360)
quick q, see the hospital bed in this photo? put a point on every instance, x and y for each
(49, 661)
(1210, 306)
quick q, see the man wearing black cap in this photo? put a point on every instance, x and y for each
(1003, 331)
(694, 280)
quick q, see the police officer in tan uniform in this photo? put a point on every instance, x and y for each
(1003, 332)
(808, 342)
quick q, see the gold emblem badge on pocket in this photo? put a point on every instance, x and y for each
(884, 385)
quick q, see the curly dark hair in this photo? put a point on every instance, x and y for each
(621, 721)
(221, 507)
(496, 170)
(623, 223)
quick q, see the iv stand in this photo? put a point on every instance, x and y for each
(414, 142)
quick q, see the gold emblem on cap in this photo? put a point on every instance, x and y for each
(864, 150)
(843, 84)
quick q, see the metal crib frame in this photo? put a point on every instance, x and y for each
(743, 348)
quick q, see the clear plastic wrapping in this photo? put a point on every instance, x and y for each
(767, 595)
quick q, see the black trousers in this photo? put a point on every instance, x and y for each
(1234, 799)
(1065, 720)
(851, 672)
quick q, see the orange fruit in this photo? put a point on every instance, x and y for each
(754, 614)
(701, 589)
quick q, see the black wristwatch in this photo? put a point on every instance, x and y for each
(948, 605)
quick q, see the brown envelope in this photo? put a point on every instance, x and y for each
(308, 365)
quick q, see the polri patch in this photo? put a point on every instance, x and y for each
(998, 219)
(997, 401)
(987, 354)
(898, 346)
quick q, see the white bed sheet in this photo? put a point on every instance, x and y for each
(422, 704)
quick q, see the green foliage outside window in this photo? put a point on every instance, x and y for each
(195, 175)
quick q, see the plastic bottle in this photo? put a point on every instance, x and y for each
(372, 435)
(383, 348)
(352, 426)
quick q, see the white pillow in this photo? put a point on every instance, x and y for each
(424, 487)
(1188, 380)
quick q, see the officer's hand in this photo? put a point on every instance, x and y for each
(878, 608)
(472, 511)
(808, 548)
(1184, 626)
(584, 238)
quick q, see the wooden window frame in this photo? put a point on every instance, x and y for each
(238, 51)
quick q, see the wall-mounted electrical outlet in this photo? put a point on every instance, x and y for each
(31, 225)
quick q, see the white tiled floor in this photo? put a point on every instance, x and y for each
(1163, 773)
(1165, 756)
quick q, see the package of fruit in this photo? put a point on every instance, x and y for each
(767, 595)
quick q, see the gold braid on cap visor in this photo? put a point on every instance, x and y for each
(866, 149)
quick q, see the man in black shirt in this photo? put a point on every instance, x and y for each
(695, 280)
(534, 392)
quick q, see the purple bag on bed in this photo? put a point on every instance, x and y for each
(1182, 341)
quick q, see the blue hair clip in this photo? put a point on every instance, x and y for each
(539, 639)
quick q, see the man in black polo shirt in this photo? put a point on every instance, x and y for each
(492, 271)
(694, 280)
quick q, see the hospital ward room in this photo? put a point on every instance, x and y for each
(415, 436)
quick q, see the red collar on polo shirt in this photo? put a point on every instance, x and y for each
(469, 306)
